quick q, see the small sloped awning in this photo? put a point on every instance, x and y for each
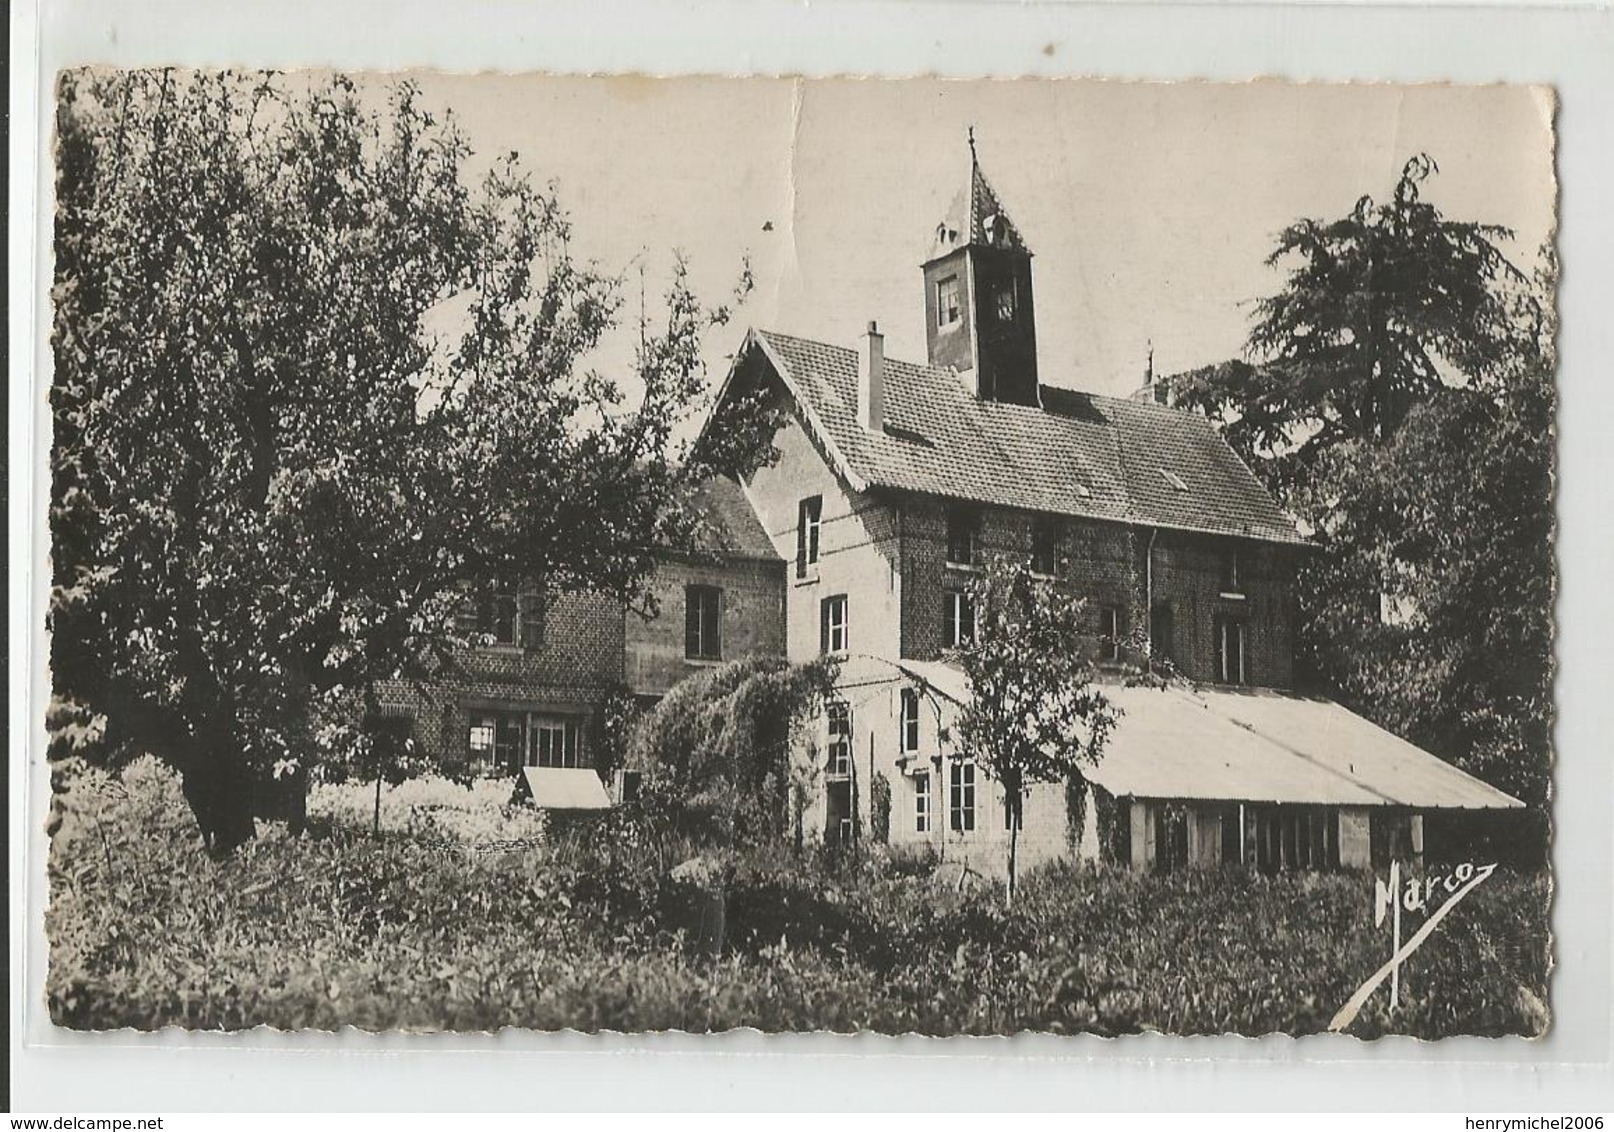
(568, 788)
(1258, 746)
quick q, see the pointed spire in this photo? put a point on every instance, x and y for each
(977, 217)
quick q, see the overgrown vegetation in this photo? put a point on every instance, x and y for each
(314, 378)
(592, 930)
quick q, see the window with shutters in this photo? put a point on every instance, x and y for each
(961, 802)
(958, 619)
(839, 717)
(703, 623)
(833, 630)
(909, 738)
(809, 526)
(1232, 638)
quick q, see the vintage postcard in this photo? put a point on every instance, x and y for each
(628, 554)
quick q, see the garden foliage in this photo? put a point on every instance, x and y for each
(407, 932)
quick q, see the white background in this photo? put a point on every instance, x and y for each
(1569, 47)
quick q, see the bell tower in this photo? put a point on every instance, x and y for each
(978, 312)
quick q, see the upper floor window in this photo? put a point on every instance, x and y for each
(512, 615)
(961, 801)
(909, 739)
(833, 627)
(949, 307)
(963, 536)
(1232, 568)
(1232, 666)
(839, 716)
(958, 619)
(809, 521)
(1045, 548)
(703, 623)
(1109, 633)
(1008, 301)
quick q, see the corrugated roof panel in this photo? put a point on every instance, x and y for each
(1331, 736)
(1256, 746)
(565, 788)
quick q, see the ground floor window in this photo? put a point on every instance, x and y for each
(1389, 838)
(921, 803)
(1170, 838)
(509, 740)
(961, 803)
(1291, 837)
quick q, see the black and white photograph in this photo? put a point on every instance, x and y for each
(905, 556)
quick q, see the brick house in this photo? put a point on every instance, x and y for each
(537, 695)
(896, 480)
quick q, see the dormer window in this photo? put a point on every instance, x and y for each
(949, 306)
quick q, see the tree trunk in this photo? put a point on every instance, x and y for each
(375, 830)
(218, 786)
(1014, 845)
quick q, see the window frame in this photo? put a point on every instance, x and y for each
(1241, 631)
(921, 802)
(1232, 570)
(838, 740)
(908, 729)
(961, 797)
(827, 624)
(809, 534)
(1045, 548)
(703, 621)
(955, 603)
(540, 725)
(1109, 634)
(963, 531)
(949, 315)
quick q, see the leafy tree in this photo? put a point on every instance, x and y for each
(1399, 399)
(1033, 715)
(271, 477)
(1381, 308)
(1433, 586)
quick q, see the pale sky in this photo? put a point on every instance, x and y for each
(1150, 206)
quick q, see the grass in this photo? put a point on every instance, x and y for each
(424, 929)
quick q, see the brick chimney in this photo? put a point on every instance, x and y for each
(871, 382)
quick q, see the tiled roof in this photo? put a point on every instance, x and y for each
(976, 217)
(1080, 454)
(733, 522)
